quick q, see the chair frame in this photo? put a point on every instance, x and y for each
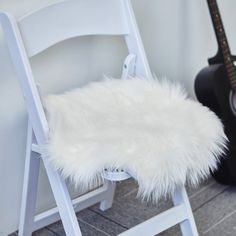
(21, 50)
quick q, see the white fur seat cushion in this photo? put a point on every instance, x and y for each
(148, 128)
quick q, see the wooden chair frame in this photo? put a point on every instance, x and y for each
(77, 18)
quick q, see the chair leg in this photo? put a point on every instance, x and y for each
(63, 201)
(188, 227)
(29, 194)
(107, 203)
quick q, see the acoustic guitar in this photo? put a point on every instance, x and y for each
(215, 87)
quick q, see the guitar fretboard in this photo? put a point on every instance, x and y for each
(222, 41)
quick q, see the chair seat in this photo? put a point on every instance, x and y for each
(147, 128)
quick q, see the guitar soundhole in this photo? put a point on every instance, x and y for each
(232, 101)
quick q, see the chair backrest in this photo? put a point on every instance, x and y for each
(43, 28)
(69, 19)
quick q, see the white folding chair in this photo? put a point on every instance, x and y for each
(31, 35)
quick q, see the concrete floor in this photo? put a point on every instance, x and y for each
(214, 208)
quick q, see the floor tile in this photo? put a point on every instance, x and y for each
(100, 222)
(173, 231)
(205, 194)
(43, 232)
(91, 224)
(86, 229)
(226, 226)
(129, 211)
(215, 210)
(203, 184)
(125, 187)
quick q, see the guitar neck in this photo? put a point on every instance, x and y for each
(222, 41)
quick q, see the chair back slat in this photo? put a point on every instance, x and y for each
(68, 19)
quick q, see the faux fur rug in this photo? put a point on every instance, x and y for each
(146, 127)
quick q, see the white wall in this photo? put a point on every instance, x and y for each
(178, 38)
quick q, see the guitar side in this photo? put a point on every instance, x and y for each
(212, 89)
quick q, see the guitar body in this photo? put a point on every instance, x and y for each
(213, 90)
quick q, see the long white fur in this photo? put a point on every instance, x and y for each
(146, 127)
